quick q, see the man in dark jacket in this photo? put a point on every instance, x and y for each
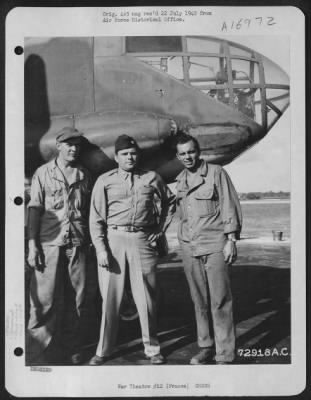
(210, 223)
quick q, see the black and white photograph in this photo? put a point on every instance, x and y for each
(155, 231)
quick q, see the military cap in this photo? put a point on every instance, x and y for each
(68, 133)
(125, 142)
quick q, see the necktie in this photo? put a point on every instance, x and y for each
(131, 180)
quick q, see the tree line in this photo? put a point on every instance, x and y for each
(264, 195)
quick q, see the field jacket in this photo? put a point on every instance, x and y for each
(64, 208)
(208, 210)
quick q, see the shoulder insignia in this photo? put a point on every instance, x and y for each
(109, 173)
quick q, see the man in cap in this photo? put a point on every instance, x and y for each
(124, 227)
(210, 223)
(58, 242)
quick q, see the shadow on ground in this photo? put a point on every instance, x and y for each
(261, 296)
(261, 311)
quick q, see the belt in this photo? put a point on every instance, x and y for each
(126, 228)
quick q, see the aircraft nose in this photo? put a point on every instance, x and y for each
(247, 115)
(275, 96)
(221, 143)
(245, 95)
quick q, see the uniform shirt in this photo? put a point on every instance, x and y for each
(208, 209)
(64, 208)
(140, 200)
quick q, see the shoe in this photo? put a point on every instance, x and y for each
(97, 360)
(157, 359)
(204, 356)
(77, 358)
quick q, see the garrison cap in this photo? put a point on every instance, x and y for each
(125, 142)
(68, 133)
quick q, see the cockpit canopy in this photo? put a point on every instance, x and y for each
(228, 72)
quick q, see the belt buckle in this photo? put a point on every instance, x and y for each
(132, 229)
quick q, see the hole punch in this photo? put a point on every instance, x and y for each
(19, 50)
(18, 200)
(18, 351)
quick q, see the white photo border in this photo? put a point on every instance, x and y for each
(240, 380)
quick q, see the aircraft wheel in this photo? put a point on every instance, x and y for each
(128, 310)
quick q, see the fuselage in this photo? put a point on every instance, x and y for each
(107, 86)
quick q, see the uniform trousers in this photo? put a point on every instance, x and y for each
(209, 284)
(63, 273)
(130, 249)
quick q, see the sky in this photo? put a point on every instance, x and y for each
(266, 166)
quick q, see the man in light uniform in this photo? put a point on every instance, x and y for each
(210, 223)
(58, 241)
(124, 227)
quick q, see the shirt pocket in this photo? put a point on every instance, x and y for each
(54, 198)
(145, 195)
(205, 202)
(117, 196)
(117, 192)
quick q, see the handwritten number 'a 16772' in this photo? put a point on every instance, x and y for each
(247, 23)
